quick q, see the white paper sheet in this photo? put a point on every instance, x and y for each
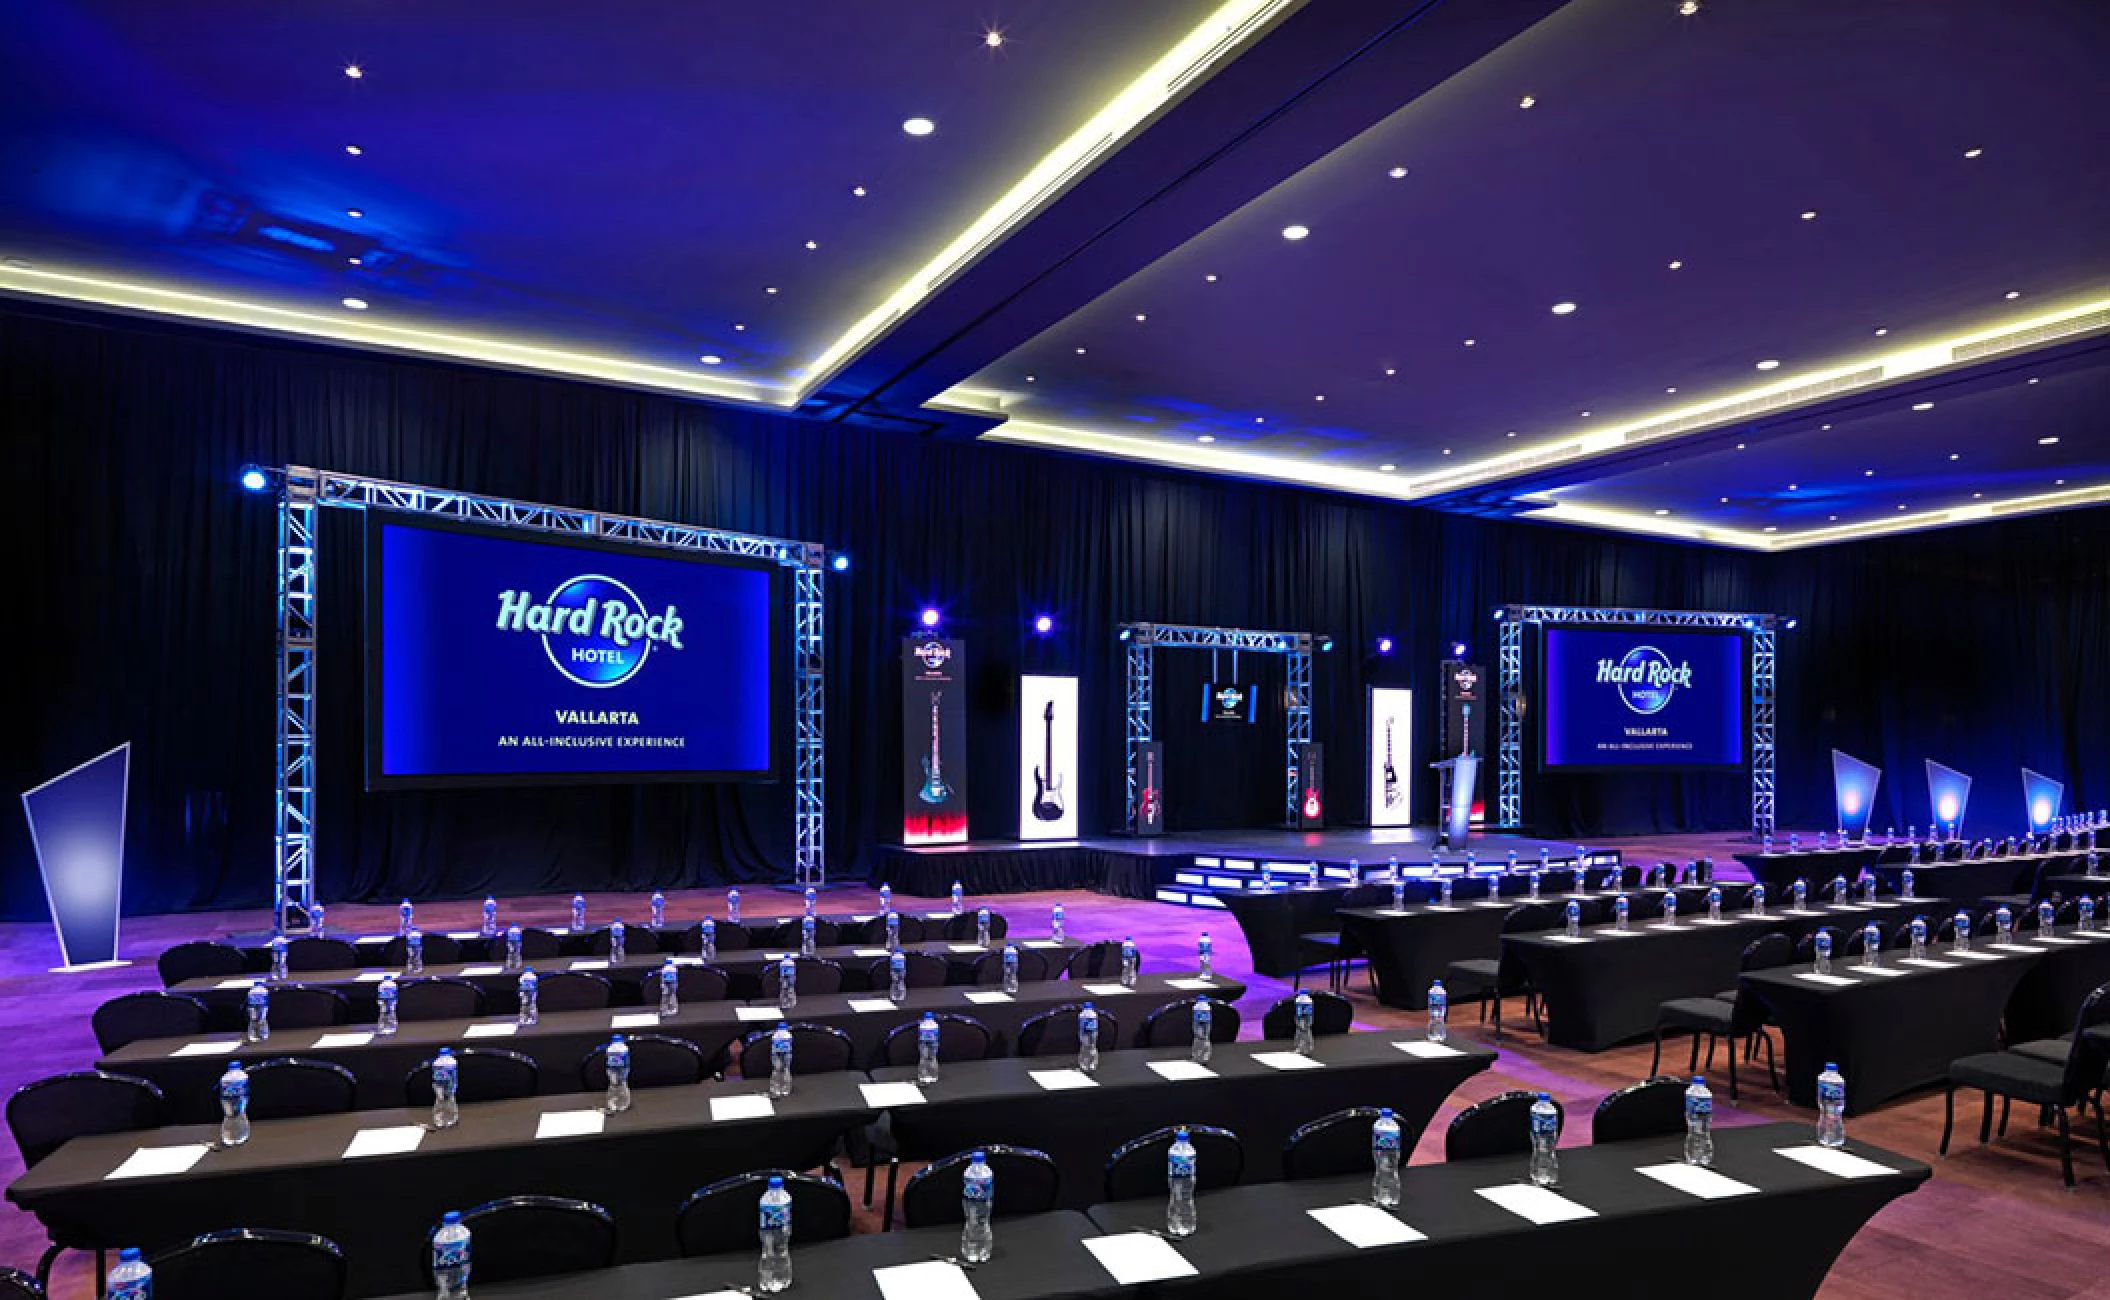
(755, 1014)
(984, 997)
(159, 1162)
(590, 963)
(371, 976)
(464, 934)
(1133, 1258)
(1566, 938)
(1107, 990)
(1427, 1050)
(1181, 1071)
(1976, 954)
(491, 1031)
(868, 952)
(1364, 1226)
(1393, 911)
(1539, 1205)
(227, 985)
(471, 972)
(1695, 1181)
(634, 1020)
(883, 1096)
(1063, 1080)
(1814, 978)
(1194, 985)
(329, 1041)
(569, 1123)
(1495, 902)
(1928, 963)
(1286, 1061)
(931, 1280)
(963, 947)
(2022, 948)
(717, 1295)
(1881, 971)
(775, 956)
(1831, 1160)
(205, 1049)
(752, 1105)
(941, 916)
(870, 1006)
(392, 1141)
(1042, 943)
(1708, 920)
(2056, 938)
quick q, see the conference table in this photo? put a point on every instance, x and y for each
(2070, 965)
(1272, 918)
(1971, 882)
(1259, 1090)
(375, 1182)
(1778, 871)
(1604, 987)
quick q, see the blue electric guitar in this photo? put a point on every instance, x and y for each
(934, 790)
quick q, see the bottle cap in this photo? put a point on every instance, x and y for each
(776, 1182)
(978, 1157)
(1179, 1135)
(1384, 1112)
(450, 1218)
(1699, 1081)
(129, 1255)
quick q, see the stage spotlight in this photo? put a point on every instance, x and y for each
(1043, 625)
(930, 618)
(1790, 624)
(1384, 645)
(1458, 649)
(254, 479)
(1501, 614)
(841, 563)
(1325, 645)
(1124, 634)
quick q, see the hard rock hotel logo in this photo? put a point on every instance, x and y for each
(595, 630)
(1645, 678)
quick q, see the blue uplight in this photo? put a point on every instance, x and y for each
(930, 617)
(1044, 625)
(1384, 645)
(254, 479)
(841, 563)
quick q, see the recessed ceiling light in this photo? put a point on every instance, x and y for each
(1397, 173)
(1977, 495)
(1868, 473)
(1207, 437)
(1663, 512)
(354, 150)
(1672, 389)
(2033, 380)
(919, 126)
(1769, 364)
(739, 328)
(1446, 451)
(769, 288)
(711, 359)
(1811, 215)
(1511, 434)
(354, 71)
(1294, 233)
(1030, 379)
(1955, 455)
(1771, 529)
(1881, 330)
(1824, 428)
(2058, 482)
(356, 304)
(1391, 370)
(1210, 278)
(857, 191)
(1386, 468)
(1972, 153)
(354, 213)
(811, 245)
(1832, 518)
(1923, 406)
(1080, 352)
(2051, 441)
(1585, 415)
(1677, 266)
(1739, 446)
(1564, 309)
(1140, 318)
(2012, 294)
(1318, 397)
(1526, 102)
(1791, 487)
(1688, 8)
(1904, 507)
(1470, 342)
(993, 38)
(1725, 501)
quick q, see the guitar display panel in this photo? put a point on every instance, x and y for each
(1047, 759)
(933, 741)
(1391, 756)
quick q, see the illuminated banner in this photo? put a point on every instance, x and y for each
(1391, 756)
(1854, 787)
(1642, 697)
(1229, 702)
(1311, 785)
(1948, 794)
(1464, 720)
(77, 824)
(1150, 788)
(1047, 758)
(933, 741)
(2042, 796)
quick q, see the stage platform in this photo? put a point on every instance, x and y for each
(1192, 867)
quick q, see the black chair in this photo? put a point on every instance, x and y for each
(1651, 1108)
(697, 984)
(656, 1061)
(251, 1264)
(200, 959)
(17, 1285)
(482, 1074)
(960, 1038)
(308, 1006)
(962, 928)
(47, 1114)
(1334, 950)
(1330, 1014)
(309, 953)
(1499, 1126)
(572, 990)
(789, 933)
(1054, 1032)
(1735, 1015)
(817, 977)
(439, 949)
(1028, 1180)
(1033, 967)
(1172, 1025)
(919, 970)
(536, 944)
(729, 936)
(1136, 1169)
(438, 997)
(1337, 1145)
(134, 1017)
(1094, 960)
(2031, 1079)
(909, 926)
(638, 941)
(721, 1218)
(815, 1049)
(1485, 979)
(537, 1236)
(290, 1086)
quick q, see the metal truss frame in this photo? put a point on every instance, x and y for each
(1764, 630)
(302, 491)
(1144, 639)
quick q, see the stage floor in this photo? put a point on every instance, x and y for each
(1415, 846)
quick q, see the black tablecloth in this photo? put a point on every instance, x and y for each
(379, 1208)
(2073, 884)
(2051, 992)
(1407, 949)
(983, 870)
(1888, 1034)
(980, 1102)
(1967, 883)
(1038, 1257)
(1607, 990)
(1272, 919)
(1777, 871)
(1645, 1240)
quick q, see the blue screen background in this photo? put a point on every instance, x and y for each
(1588, 724)
(452, 682)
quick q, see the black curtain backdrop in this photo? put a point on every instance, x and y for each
(143, 611)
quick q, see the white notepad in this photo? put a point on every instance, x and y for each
(472, 972)
(985, 997)
(1427, 1050)
(751, 1105)
(1107, 990)
(941, 916)
(1364, 1226)
(1976, 955)
(634, 1020)
(491, 1031)
(1928, 963)
(1696, 1181)
(2057, 938)
(371, 977)
(1814, 978)
(1708, 920)
(1063, 1080)
(760, 1013)
(963, 947)
(1042, 943)
(1180, 1071)
(590, 963)
(2013, 947)
(569, 1123)
(234, 984)
(867, 1006)
(328, 1041)
(205, 1049)
(1195, 985)
(1133, 1258)
(868, 952)
(934, 1279)
(1566, 938)
(1286, 1061)
(1538, 1205)
(392, 1141)
(1831, 1160)
(1885, 971)
(159, 1162)
(882, 1096)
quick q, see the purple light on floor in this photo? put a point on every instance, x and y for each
(1043, 625)
(930, 618)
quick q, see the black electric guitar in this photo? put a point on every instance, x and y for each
(934, 790)
(1047, 784)
(1393, 792)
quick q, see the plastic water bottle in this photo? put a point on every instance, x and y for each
(1714, 904)
(1573, 919)
(1535, 881)
(132, 1279)
(1831, 1107)
(1960, 937)
(414, 953)
(1919, 938)
(385, 1006)
(1823, 947)
(707, 930)
(1302, 1044)
(1205, 956)
(981, 927)
(1131, 962)
(774, 1274)
(780, 1060)
(578, 913)
(669, 989)
(927, 1050)
(896, 976)
(1384, 1158)
(1203, 1045)
(1088, 1039)
(1905, 885)
(808, 936)
(450, 1257)
(1267, 875)
(618, 942)
(489, 929)
(659, 910)
(1838, 889)
(1511, 868)
(2086, 908)
(2003, 926)
(1439, 1012)
(893, 932)
(2092, 866)
(618, 1063)
(1619, 912)
(530, 1009)
(1399, 888)
(1872, 944)
(886, 899)
(258, 1002)
(318, 920)
(812, 897)
(1670, 908)
(1868, 885)
(513, 958)
(1545, 1134)
(1180, 1215)
(278, 959)
(1010, 967)
(732, 906)
(1055, 924)
(234, 1105)
(1444, 889)
(1699, 1122)
(1799, 894)
(406, 917)
(446, 1089)
(1757, 901)
(787, 984)
(977, 1203)
(2045, 919)
(959, 899)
